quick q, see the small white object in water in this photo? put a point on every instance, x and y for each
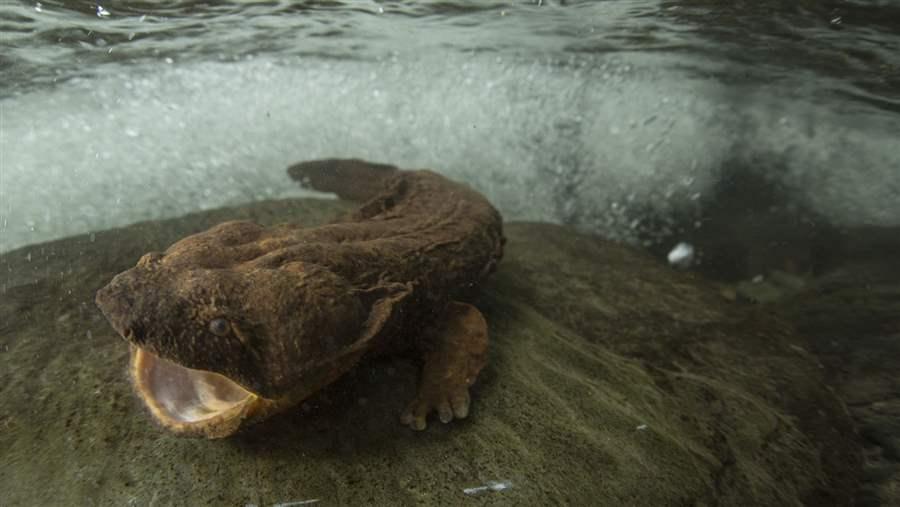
(299, 502)
(101, 12)
(490, 486)
(682, 255)
(642, 427)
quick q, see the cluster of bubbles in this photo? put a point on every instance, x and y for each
(619, 145)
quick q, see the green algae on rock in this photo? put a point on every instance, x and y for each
(613, 380)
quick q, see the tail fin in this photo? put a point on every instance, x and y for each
(352, 179)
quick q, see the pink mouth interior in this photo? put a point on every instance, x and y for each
(184, 395)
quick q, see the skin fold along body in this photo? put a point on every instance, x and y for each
(239, 322)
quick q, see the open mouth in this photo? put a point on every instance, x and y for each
(191, 401)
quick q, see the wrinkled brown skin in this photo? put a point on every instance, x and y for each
(306, 304)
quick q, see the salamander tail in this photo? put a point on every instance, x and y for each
(352, 179)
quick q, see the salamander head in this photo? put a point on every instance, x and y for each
(212, 347)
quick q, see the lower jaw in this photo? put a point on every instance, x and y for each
(199, 412)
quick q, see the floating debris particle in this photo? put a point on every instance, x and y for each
(682, 255)
(641, 427)
(490, 486)
(298, 502)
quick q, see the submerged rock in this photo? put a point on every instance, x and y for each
(851, 319)
(613, 379)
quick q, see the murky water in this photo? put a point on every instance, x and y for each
(761, 136)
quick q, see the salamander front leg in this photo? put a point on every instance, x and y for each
(458, 353)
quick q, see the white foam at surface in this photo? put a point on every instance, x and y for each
(578, 140)
(842, 162)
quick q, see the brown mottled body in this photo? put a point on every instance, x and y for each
(255, 319)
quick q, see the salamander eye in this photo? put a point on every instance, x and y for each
(219, 327)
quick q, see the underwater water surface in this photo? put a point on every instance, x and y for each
(601, 114)
(758, 142)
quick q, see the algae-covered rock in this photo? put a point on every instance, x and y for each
(851, 319)
(613, 380)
